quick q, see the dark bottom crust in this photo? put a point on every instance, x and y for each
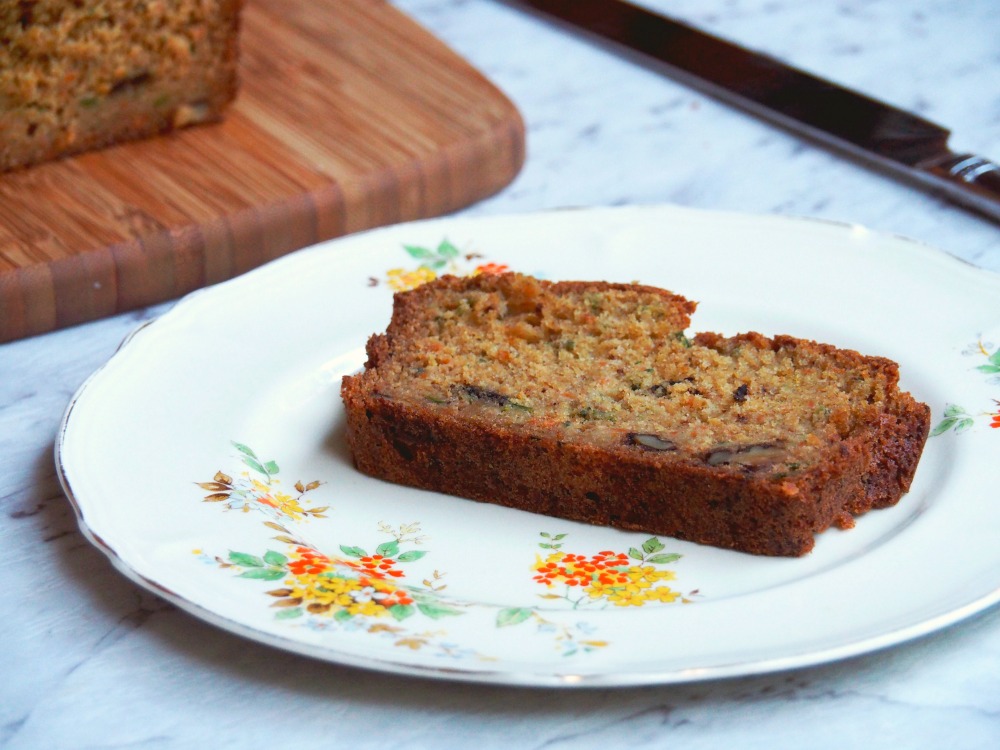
(633, 490)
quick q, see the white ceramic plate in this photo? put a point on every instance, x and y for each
(207, 460)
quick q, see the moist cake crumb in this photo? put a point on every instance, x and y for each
(589, 401)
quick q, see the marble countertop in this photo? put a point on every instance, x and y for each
(89, 660)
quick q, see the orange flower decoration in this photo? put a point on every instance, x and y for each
(624, 580)
(310, 562)
(376, 566)
(491, 269)
(577, 570)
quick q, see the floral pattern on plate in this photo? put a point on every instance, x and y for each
(369, 589)
(958, 418)
(445, 258)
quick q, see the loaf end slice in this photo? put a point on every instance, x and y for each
(88, 74)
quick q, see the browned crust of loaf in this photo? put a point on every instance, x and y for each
(406, 305)
(123, 119)
(723, 506)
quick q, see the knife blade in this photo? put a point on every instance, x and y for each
(878, 134)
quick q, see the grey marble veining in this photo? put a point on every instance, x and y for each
(88, 660)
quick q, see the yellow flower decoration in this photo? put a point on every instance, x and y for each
(649, 575)
(624, 580)
(663, 594)
(401, 280)
(323, 589)
(281, 501)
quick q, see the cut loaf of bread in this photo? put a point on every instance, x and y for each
(81, 75)
(587, 401)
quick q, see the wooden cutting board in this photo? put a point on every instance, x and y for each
(349, 116)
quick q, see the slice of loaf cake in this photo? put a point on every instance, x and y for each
(81, 75)
(587, 401)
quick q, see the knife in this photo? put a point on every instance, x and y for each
(882, 136)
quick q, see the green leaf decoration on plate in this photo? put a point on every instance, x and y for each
(955, 418)
(354, 589)
(993, 363)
